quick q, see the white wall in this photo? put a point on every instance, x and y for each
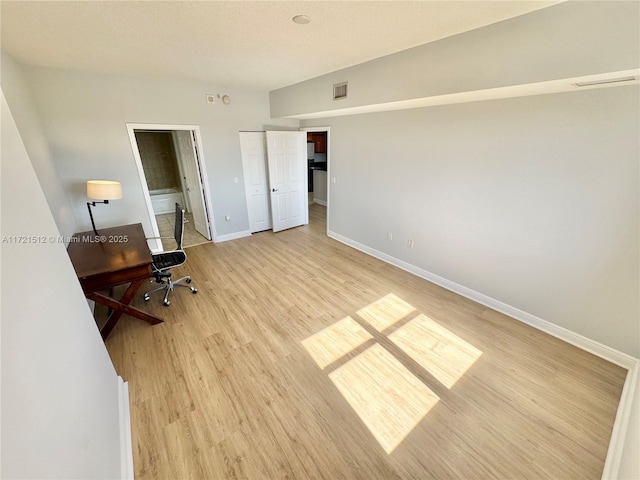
(85, 116)
(60, 416)
(562, 41)
(532, 201)
(28, 121)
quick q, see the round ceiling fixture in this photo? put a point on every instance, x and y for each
(301, 19)
(226, 99)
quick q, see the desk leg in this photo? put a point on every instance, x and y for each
(110, 295)
(121, 307)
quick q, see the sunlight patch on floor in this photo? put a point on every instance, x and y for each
(443, 354)
(387, 397)
(386, 311)
(335, 341)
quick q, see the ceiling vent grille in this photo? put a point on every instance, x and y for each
(340, 90)
(605, 81)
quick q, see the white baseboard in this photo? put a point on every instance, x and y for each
(621, 426)
(632, 364)
(231, 236)
(126, 449)
(320, 202)
(603, 351)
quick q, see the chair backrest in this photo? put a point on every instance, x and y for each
(178, 230)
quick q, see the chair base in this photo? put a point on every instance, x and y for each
(169, 285)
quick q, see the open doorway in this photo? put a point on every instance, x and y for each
(171, 171)
(319, 166)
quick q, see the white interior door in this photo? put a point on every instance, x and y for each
(193, 181)
(256, 184)
(287, 160)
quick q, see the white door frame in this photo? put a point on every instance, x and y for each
(131, 127)
(324, 129)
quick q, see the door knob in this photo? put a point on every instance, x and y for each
(274, 189)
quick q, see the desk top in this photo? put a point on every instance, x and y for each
(122, 247)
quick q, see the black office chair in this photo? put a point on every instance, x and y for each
(163, 263)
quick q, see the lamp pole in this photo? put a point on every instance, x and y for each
(89, 205)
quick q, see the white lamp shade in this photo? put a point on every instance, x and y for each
(104, 190)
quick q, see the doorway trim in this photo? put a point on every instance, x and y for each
(324, 129)
(156, 244)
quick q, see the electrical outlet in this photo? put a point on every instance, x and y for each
(389, 236)
(410, 244)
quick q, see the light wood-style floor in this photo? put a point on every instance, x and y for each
(302, 358)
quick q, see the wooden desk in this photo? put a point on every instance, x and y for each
(122, 257)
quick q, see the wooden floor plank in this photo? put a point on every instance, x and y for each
(225, 387)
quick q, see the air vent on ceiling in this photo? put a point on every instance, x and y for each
(605, 81)
(340, 90)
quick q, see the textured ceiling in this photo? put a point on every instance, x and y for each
(244, 44)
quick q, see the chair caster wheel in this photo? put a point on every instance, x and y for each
(167, 303)
(188, 280)
(146, 298)
(194, 290)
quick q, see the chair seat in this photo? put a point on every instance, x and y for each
(162, 261)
